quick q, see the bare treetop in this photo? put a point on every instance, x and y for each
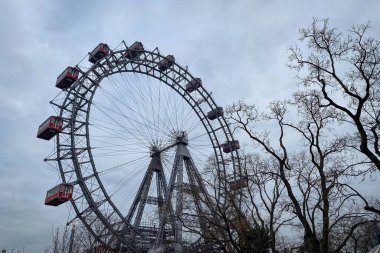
(344, 69)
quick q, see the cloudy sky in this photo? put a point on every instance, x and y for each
(239, 48)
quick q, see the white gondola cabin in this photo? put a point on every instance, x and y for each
(193, 85)
(215, 113)
(135, 50)
(50, 128)
(166, 63)
(67, 78)
(230, 146)
(99, 52)
(59, 194)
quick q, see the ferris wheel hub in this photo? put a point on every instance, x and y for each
(180, 138)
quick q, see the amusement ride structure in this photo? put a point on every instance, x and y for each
(133, 133)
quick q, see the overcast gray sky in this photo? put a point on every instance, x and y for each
(238, 48)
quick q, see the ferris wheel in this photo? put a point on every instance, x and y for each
(134, 130)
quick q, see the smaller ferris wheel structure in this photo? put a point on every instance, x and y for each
(133, 132)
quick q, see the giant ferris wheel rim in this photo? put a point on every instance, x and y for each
(110, 65)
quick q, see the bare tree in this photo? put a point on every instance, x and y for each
(345, 69)
(362, 240)
(266, 198)
(61, 239)
(335, 122)
(313, 176)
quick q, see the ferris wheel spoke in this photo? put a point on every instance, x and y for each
(123, 126)
(124, 150)
(122, 165)
(160, 110)
(121, 184)
(144, 122)
(119, 133)
(129, 107)
(164, 111)
(117, 189)
(112, 128)
(200, 136)
(155, 106)
(195, 126)
(139, 112)
(157, 111)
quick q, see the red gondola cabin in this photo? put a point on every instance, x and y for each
(50, 128)
(230, 146)
(99, 52)
(67, 78)
(215, 113)
(135, 50)
(193, 85)
(166, 63)
(59, 194)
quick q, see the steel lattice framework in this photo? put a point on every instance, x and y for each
(92, 203)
